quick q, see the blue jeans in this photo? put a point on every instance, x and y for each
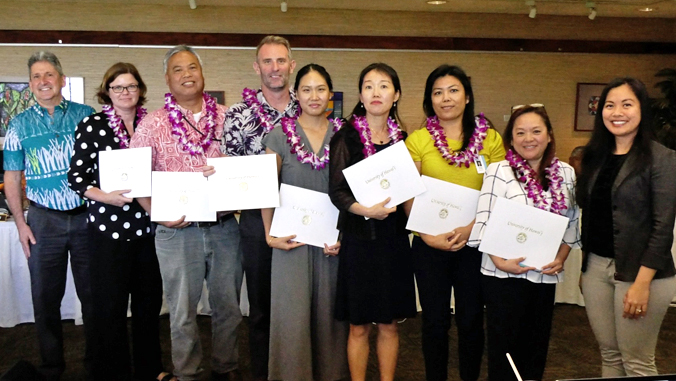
(56, 234)
(188, 256)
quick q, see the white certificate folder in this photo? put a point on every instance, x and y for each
(442, 208)
(243, 182)
(308, 214)
(126, 169)
(177, 194)
(388, 173)
(516, 230)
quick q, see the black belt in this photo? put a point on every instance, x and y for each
(72, 212)
(213, 223)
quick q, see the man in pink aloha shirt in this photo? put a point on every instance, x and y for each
(189, 252)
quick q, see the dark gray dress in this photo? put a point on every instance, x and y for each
(304, 335)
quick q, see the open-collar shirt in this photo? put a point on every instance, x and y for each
(244, 133)
(155, 131)
(41, 145)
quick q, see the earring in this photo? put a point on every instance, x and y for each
(362, 105)
(395, 104)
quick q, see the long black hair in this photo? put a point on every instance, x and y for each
(602, 142)
(386, 69)
(468, 124)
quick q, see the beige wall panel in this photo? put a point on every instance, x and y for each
(101, 17)
(500, 80)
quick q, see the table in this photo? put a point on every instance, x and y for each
(16, 302)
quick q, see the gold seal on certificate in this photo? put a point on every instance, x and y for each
(183, 199)
(384, 184)
(243, 187)
(443, 213)
(521, 237)
(124, 177)
(307, 220)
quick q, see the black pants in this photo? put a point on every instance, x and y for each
(56, 234)
(121, 268)
(437, 274)
(257, 265)
(519, 321)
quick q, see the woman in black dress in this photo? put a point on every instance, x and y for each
(375, 274)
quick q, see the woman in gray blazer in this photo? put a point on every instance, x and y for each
(627, 192)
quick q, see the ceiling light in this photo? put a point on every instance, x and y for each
(192, 3)
(646, 9)
(284, 6)
(533, 11)
(436, 2)
(592, 9)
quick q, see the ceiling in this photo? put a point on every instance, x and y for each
(605, 8)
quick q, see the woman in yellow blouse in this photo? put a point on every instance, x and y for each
(449, 148)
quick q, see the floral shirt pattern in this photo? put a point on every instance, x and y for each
(154, 131)
(41, 145)
(243, 133)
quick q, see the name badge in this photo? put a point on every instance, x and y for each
(480, 164)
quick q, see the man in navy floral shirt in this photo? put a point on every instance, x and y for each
(246, 124)
(39, 144)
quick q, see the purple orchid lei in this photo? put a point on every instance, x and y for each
(298, 148)
(251, 100)
(527, 176)
(115, 123)
(466, 157)
(362, 126)
(181, 132)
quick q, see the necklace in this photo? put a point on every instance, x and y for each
(362, 126)
(469, 155)
(178, 127)
(250, 98)
(298, 148)
(534, 191)
(117, 125)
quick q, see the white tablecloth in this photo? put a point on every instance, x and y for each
(568, 291)
(16, 305)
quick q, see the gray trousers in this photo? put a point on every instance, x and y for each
(306, 341)
(188, 256)
(627, 345)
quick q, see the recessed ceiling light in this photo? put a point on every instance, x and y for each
(436, 2)
(646, 9)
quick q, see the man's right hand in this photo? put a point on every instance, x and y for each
(26, 238)
(178, 224)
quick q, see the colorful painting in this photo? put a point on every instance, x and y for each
(16, 97)
(587, 105)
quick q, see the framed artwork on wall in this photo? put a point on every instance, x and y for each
(218, 95)
(587, 105)
(16, 96)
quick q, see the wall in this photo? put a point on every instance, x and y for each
(500, 79)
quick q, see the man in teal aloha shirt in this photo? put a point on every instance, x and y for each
(39, 143)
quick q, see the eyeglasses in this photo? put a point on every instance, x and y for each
(119, 89)
(534, 105)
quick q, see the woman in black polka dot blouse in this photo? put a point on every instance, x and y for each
(123, 253)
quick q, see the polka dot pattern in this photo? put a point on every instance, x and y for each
(127, 222)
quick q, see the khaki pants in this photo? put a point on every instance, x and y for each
(627, 345)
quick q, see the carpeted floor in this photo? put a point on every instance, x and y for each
(572, 352)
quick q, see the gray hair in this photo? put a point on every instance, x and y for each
(177, 49)
(45, 56)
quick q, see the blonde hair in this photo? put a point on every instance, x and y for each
(274, 40)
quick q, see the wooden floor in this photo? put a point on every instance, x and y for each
(573, 352)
